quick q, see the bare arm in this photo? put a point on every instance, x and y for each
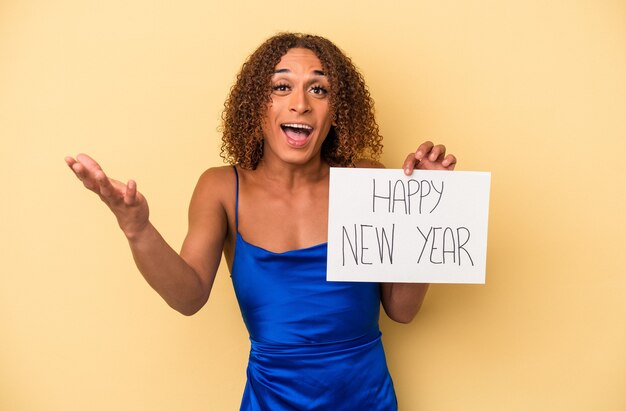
(184, 281)
(402, 301)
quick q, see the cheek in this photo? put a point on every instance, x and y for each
(272, 110)
(266, 127)
(266, 120)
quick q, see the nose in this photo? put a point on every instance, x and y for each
(299, 102)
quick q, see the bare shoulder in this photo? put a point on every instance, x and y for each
(216, 184)
(368, 163)
(217, 178)
(218, 173)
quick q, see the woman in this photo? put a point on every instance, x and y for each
(298, 107)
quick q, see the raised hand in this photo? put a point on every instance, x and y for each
(129, 205)
(429, 157)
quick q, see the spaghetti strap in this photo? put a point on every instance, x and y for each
(236, 200)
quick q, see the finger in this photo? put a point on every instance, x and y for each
(74, 166)
(449, 162)
(69, 160)
(92, 175)
(90, 165)
(409, 164)
(130, 196)
(106, 186)
(77, 168)
(84, 177)
(423, 150)
(437, 151)
(88, 161)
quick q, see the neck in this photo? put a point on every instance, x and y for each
(291, 175)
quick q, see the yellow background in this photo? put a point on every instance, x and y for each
(533, 91)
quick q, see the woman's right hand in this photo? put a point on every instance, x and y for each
(129, 205)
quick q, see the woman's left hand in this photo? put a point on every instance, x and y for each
(429, 157)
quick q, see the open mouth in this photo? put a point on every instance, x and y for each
(297, 134)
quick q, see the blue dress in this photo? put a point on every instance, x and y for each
(315, 345)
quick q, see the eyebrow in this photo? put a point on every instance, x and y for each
(285, 70)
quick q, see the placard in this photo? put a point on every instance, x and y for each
(430, 227)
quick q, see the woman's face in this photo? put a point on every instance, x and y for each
(298, 116)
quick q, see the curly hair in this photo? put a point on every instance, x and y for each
(354, 132)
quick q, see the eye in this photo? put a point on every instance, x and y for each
(319, 90)
(280, 88)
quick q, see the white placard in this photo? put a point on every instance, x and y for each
(430, 227)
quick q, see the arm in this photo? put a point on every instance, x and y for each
(184, 281)
(402, 301)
